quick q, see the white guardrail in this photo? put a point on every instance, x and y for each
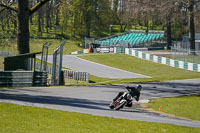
(79, 76)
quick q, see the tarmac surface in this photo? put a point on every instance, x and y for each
(96, 69)
(95, 100)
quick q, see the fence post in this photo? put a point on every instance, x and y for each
(57, 74)
(60, 65)
(44, 57)
(53, 79)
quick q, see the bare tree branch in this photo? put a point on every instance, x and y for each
(2, 10)
(8, 7)
(37, 6)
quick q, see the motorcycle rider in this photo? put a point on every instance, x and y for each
(133, 91)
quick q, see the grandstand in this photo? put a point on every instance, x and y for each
(131, 39)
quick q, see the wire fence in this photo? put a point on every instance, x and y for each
(186, 55)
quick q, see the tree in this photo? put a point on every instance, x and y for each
(64, 14)
(122, 13)
(23, 12)
(39, 21)
(84, 17)
(48, 18)
(140, 11)
(190, 7)
(175, 7)
(168, 11)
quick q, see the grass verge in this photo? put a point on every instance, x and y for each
(18, 119)
(1, 63)
(158, 72)
(36, 46)
(187, 106)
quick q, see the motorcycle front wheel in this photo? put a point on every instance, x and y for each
(111, 106)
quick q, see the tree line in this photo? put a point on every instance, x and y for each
(94, 18)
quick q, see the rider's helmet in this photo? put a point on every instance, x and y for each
(127, 87)
(138, 88)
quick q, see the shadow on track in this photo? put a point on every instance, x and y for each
(65, 101)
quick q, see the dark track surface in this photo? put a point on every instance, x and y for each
(95, 100)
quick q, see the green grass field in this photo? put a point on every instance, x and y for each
(187, 58)
(158, 72)
(36, 45)
(1, 63)
(23, 119)
(187, 106)
(70, 46)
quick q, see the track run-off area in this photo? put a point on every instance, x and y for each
(96, 69)
(95, 100)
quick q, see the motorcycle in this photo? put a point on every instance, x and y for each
(125, 99)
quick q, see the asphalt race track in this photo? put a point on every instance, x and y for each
(96, 69)
(95, 100)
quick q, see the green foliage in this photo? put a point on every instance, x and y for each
(81, 18)
(64, 14)
(8, 44)
(187, 106)
(178, 30)
(85, 17)
(18, 119)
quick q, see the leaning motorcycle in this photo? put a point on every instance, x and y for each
(121, 101)
(125, 99)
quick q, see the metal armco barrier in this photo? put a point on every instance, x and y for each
(23, 78)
